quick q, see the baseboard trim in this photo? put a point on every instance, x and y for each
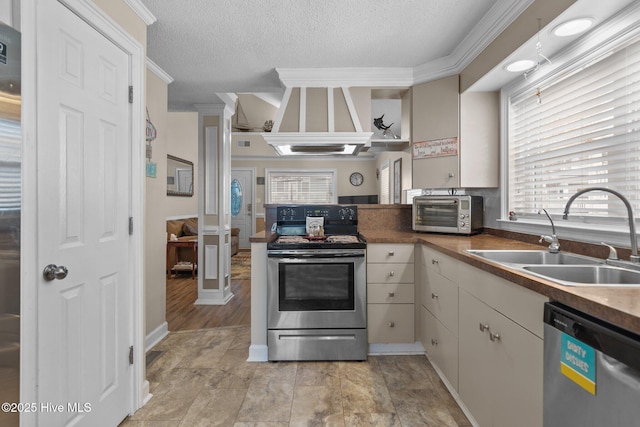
(145, 393)
(258, 353)
(211, 298)
(401, 349)
(454, 393)
(156, 336)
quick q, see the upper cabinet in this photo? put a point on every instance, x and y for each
(459, 136)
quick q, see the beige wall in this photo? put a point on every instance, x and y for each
(182, 141)
(155, 214)
(514, 36)
(120, 11)
(344, 169)
(405, 164)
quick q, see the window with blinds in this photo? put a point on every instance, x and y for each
(314, 186)
(581, 130)
(10, 161)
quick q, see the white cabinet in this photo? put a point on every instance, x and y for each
(500, 350)
(439, 311)
(439, 111)
(390, 293)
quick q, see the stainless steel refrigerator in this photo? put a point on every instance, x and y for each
(10, 195)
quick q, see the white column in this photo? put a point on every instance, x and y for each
(214, 218)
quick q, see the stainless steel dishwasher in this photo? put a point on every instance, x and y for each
(591, 371)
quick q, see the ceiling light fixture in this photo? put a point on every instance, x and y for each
(541, 57)
(520, 66)
(573, 27)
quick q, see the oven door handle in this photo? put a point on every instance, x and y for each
(439, 202)
(309, 256)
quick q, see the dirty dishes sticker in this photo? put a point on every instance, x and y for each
(578, 363)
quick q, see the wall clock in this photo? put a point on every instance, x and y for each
(356, 178)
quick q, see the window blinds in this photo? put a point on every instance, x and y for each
(10, 161)
(584, 133)
(304, 187)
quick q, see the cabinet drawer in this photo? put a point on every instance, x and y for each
(390, 323)
(520, 304)
(441, 346)
(390, 252)
(437, 263)
(394, 293)
(440, 297)
(390, 273)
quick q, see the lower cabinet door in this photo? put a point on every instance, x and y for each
(500, 370)
(390, 323)
(476, 375)
(519, 387)
(441, 346)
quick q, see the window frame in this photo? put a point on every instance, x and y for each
(613, 33)
(332, 172)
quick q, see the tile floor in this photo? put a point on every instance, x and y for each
(202, 378)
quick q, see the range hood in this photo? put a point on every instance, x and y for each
(317, 122)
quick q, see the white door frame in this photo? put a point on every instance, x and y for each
(253, 195)
(30, 270)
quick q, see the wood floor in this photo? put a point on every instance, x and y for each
(183, 315)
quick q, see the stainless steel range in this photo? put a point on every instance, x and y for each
(316, 285)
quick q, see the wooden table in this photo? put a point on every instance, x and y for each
(173, 245)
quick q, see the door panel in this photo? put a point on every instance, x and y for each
(84, 319)
(241, 204)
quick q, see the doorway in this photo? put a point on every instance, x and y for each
(243, 203)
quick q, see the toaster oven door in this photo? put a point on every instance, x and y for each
(436, 215)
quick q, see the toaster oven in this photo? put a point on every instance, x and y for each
(461, 214)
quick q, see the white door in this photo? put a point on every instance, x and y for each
(84, 319)
(242, 203)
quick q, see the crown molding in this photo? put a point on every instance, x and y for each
(229, 100)
(142, 11)
(155, 69)
(346, 77)
(499, 17)
(492, 24)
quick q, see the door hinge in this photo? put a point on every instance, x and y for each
(131, 355)
(130, 225)
(130, 94)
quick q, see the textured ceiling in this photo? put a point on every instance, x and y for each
(211, 46)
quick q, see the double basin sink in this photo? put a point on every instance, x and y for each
(563, 268)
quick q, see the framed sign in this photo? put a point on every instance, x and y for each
(435, 148)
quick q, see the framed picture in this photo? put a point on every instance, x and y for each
(397, 181)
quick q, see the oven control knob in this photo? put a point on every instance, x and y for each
(463, 224)
(463, 216)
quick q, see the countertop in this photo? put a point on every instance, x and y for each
(620, 306)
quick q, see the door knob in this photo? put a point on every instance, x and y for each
(52, 272)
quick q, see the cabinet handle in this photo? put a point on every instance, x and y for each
(434, 261)
(392, 324)
(392, 294)
(484, 327)
(494, 337)
(434, 342)
(392, 273)
(391, 253)
(434, 296)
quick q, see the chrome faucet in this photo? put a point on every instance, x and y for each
(634, 258)
(554, 245)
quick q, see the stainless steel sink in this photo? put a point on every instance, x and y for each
(533, 257)
(586, 275)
